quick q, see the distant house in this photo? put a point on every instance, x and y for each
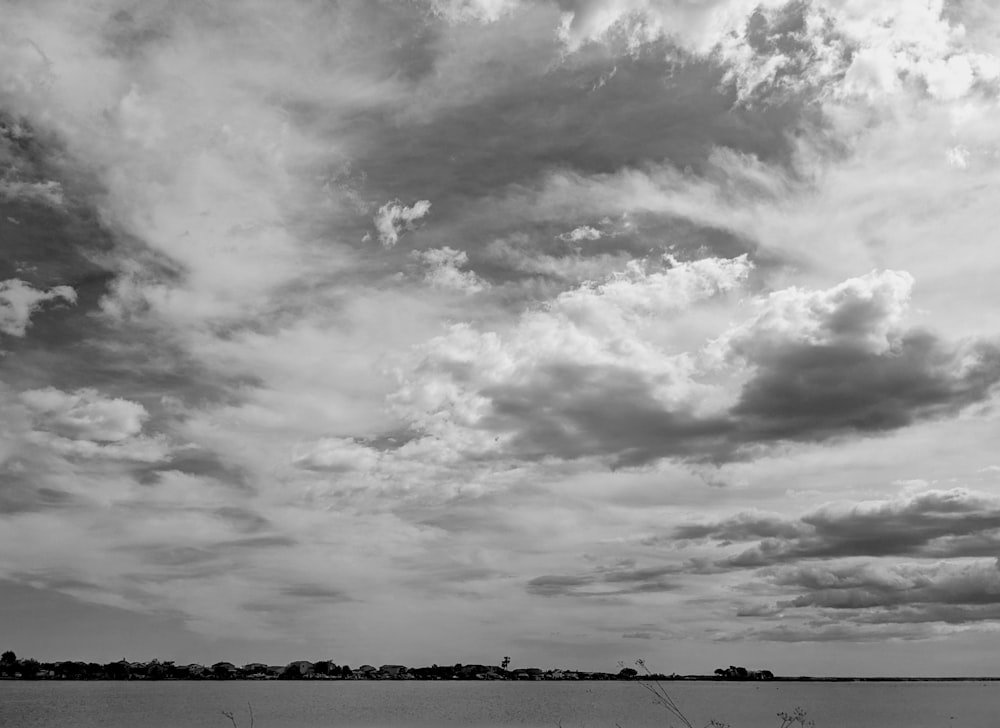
(298, 669)
(225, 670)
(254, 670)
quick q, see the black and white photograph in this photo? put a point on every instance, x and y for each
(491, 363)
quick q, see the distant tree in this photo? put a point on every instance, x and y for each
(7, 662)
(719, 672)
(155, 670)
(117, 670)
(345, 671)
(29, 669)
(627, 673)
(506, 662)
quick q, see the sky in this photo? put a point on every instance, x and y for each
(434, 331)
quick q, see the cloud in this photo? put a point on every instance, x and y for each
(696, 26)
(665, 213)
(49, 193)
(586, 377)
(890, 585)
(584, 232)
(134, 449)
(335, 454)
(840, 52)
(610, 582)
(840, 360)
(928, 524)
(483, 11)
(444, 270)
(19, 301)
(741, 527)
(85, 414)
(393, 218)
(591, 340)
(861, 313)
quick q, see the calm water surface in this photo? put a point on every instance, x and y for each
(480, 704)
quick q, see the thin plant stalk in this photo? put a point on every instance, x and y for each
(662, 696)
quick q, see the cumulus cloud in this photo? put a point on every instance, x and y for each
(584, 232)
(838, 50)
(85, 414)
(864, 313)
(591, 339)
(444, 270)
(841, 360)
(695, 25)
(20, 300)
(586, 376)
(393, 218)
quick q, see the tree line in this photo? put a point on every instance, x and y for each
(12, 667)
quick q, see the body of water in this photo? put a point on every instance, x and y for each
(364, 704)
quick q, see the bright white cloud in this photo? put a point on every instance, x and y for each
(619, 322)
(20, 300)
(584, 232)
(444, 270)
(393, 218)
(862, 313)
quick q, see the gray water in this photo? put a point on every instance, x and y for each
(366, 704)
